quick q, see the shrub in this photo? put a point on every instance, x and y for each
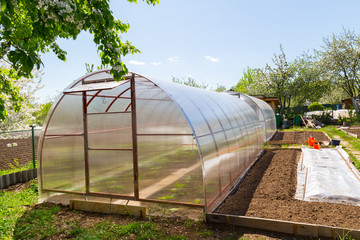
(315, 106)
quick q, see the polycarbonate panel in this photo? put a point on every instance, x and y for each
(227, 130)
(269, 117)
(170, 169)
(111, 172)
(99, 76)
(115, 100)
(191, 142)
(110, 131)
(94, 86)
(63, 163)
(67, 117)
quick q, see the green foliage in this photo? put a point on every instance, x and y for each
(108, 230)
(12, 205)
(220, 88)
(37, 224)
(16, 167)
(244, 84)
(340, 61)
(90, 68)
(315, 106)
(41, 114)
(9, 93)
(189, 82)
(31, 28)
(293, 82)
(324, 117)
(354, 143)
(346, 236)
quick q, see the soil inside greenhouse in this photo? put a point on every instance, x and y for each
(21, 149)
(268, 192)
(300, 136)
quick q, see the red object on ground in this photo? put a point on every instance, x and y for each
(311, 141)
(317, 146)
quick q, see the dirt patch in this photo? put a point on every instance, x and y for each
(66, 220)
(354, 131)
(268, 192)
(299, 136)
(20, 149)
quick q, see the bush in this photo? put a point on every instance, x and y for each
(315, 106)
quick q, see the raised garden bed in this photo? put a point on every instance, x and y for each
(267, 192)
(355, 132)
(298, 137)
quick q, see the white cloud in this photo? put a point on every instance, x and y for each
(212, 59)
(173, 59)
(156, 63)
(134, 62)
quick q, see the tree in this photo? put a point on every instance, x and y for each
(220, 88)
(293, 83)
(41, 112)
(308, 81)
(189, 82)
(276, 81)
(243, 86)
(340, 58)
(27, 87)
(31, 28)
(10, 98)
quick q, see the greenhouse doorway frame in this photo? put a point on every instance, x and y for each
(98, 86)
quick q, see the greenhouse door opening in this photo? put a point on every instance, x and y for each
(110, 141)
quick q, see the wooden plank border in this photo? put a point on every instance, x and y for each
(295, 228)
(108, 208)
(282, 142)
(349, 133)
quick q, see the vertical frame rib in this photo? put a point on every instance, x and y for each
(86, 150)
(134, 137)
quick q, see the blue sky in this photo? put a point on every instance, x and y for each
(213, 41)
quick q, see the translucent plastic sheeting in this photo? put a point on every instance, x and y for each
(216, 120)
(193, 145)
(67, 119)
(264, 113)
(64, 165)
(326, 175)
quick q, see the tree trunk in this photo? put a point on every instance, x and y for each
(356, 104)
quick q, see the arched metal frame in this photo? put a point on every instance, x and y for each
(159, 139)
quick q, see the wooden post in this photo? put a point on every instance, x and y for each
(134, 137)
(86, 146)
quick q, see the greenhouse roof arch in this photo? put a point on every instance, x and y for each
(147, 140)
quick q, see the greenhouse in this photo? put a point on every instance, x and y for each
(150, 141)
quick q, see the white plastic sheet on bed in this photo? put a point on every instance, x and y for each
(326, 175)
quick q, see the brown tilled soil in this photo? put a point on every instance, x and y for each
(22, 152)
(268, 192)
(300, 136)
(353, 130)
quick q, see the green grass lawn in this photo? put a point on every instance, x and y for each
(13, 205)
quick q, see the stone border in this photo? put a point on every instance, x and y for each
(18, 177)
